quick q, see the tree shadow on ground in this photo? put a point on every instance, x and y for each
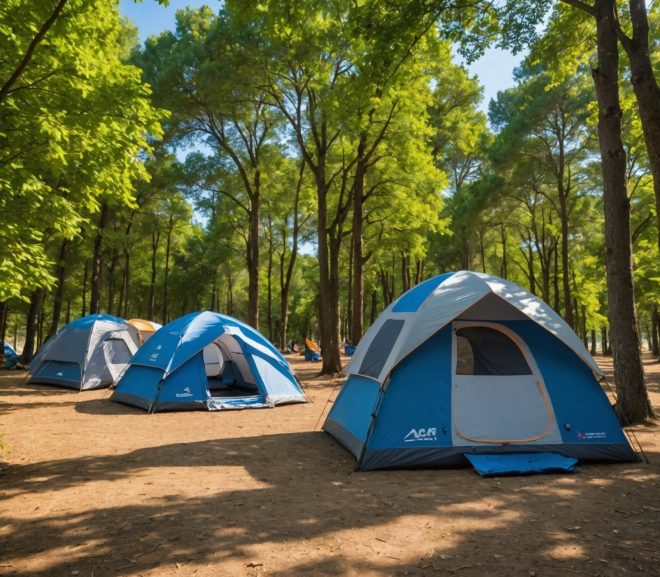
(106, 406)
(316, 501)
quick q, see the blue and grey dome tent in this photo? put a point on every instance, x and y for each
(206, 360)
(467, 363)
(88, 353)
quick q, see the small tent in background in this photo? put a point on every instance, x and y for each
(11, 356)
(145, 328)
(312, 352)
(88, 353)
(210, 361)
(467, 364)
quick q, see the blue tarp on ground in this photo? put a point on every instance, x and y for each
(521, 464)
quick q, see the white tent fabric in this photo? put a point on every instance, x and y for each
(454, 295)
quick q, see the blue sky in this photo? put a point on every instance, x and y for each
(494, 69)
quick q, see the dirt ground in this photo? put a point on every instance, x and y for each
(96, 489)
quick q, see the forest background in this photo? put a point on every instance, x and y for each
(300, 164)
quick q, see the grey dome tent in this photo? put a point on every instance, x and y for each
(88, 353)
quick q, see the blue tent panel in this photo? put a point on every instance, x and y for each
(521, 463)
(185, 388)
(410, 301)
(584, 414)
(58, 373)
(139, 386)
(350, 416)
(11, 356)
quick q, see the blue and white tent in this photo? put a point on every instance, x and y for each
(206, 360)
(88, 353)
(11, 356)
(468, 363)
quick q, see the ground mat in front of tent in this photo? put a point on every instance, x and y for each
(492, 465)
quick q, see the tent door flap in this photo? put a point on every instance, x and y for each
(498, 394)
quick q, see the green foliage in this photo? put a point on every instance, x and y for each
(72, 128)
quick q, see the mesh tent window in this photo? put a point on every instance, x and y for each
(487, 351)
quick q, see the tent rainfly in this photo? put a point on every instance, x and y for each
(468, 363)
(145, 328)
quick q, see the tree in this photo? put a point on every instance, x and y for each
(73, 119)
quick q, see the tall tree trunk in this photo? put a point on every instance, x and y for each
(41, 319)
(83, 310)
(505, 271)
(151, 306)
(59, 290)
(593, 342)
(4, 309)
(555, 281)
(633, 404)
(127, 280)
(647, 91)
(95, 300)
(285, 279)
(230, 292)
(328, 306)
(482, 251)
(111, 282)
(655, 331)
(374, 306)
(530, 265)
(31, 326)
(253, 253)
(269, 281)
(563, 217)
(357, 298)
(604, 344)
(168, 248)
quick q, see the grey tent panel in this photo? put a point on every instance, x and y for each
(380, 348)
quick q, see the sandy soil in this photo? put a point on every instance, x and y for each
(96, 489)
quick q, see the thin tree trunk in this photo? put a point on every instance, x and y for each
(328, 313)
(168, 248)
(555, 280)
(83, 310)
(593, 342)
(633, 404)
(59, 290)
(230, 292)
(41, 318)
(31, 327)
(563, 217)
(374, 307)
(151, 307)
(111, 282)
(7, 86)
(4, 309)
(269, 281)
(357, 296)
(95, 300)
(655, 331)
(127, 279)
(505, 271)
(253, 253)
